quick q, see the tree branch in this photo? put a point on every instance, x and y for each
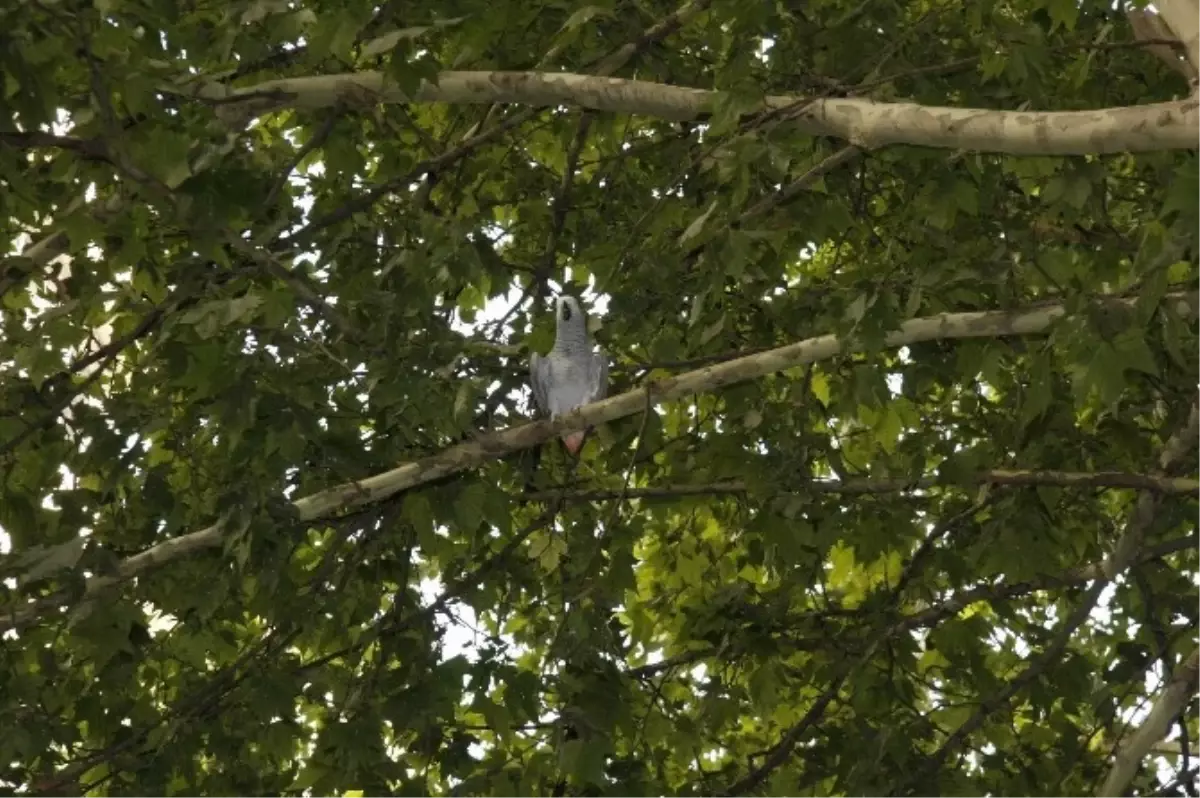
(476, 137)
(91, 149)
(864, 123)
(1176, 448)
(1124, 553)
(1001, 698)
(1183, 682)
(1066, 479)
(1183, 19)
(656, 33)
(791, 190)
(953, 605)
(1149, 27)
(370, 197)
(1168, 706)
(54, 244)
(493, 446)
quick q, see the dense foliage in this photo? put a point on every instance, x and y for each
(878, 573)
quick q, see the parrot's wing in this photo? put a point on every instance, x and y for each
(597, 376)
(539, 379)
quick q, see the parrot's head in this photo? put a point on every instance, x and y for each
(571, 325)
(567, 311)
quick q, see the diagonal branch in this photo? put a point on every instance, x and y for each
(369, 198)
(1168, 707)
(1124, 553)
(1001, 698)
(454, 590)
(317, 139)
(655, 33)
(1187, 677)
(791, 190)
(104, 356)
(494, 446)
(779, 753)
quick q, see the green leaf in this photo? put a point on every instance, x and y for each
(469, 505)
(1181, 197)
(42, 561)
(1063, 13)
(764, 688)
(582, 760)
(697, 224)
(1130, 343)
(388, 41)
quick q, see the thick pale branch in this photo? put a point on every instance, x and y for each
(865, 123)
(478, 135)
(1163, 748)
(983, 324)
(471, 454)
(1150, 27)
(1183, 18)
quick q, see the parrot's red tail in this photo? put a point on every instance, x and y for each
(574, 442)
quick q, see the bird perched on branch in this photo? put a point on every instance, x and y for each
(571, 375)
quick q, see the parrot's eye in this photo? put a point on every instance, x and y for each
(566, 311)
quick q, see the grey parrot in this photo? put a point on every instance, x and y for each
(571, 375)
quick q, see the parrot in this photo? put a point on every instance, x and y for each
(571, 375)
